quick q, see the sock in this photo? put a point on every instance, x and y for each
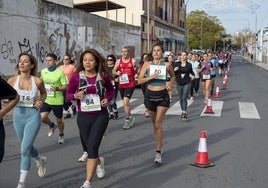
(37, 160)
(158, 151)
(61, 134)
(23, 175)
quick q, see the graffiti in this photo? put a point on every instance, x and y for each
(25, 46)
(7, 49)
(40, 51)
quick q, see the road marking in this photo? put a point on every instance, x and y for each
(120, 102)
(138, 110)
(216, 107)
(176, 108)
(248, 110)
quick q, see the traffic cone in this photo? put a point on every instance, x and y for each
(202, 160)
(209, 107)
(217, 94)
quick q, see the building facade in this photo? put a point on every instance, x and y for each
(167, 21)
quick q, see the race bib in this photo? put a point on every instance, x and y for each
(220, 61)
(25, 101)
(50, 93)
(123, 79)
(91, 102)
(182, 76)
(161, 70)
(206, 77)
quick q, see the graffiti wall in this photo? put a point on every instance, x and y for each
(52, 28)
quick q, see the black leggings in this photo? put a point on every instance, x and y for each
(194, 86)
(92, 128)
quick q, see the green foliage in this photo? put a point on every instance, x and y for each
(203, 31)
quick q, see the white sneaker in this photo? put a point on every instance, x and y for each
(158, 158)
(41, 166)
(61, 140)
(100, 168)
(86, 185)
(21, 185)
(83, 158)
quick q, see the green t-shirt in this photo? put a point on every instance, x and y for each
(55, 78)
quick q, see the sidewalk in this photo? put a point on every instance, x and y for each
(260, 64)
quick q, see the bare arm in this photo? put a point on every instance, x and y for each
(115, 72)
(43, 93)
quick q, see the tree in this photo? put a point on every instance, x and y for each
(203, 31)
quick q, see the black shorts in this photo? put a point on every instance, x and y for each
(153, 99)
(126, 92)
(57, 109)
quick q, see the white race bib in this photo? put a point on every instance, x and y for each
(25, 101)
(50, 93)
(90, 102)
(206, 77)
(161, 70)
(123, 79)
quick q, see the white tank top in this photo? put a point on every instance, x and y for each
(26, 97)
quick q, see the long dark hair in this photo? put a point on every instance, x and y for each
(100, 61)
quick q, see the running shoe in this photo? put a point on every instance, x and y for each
(21, 185)
(100, 171)
(51, 129)
(41, 166)
(131, 119)
(158, 158)
(61, 140)
(86, 185)
(83, 158)
(126, 124)
(67, 116)
(111, 116)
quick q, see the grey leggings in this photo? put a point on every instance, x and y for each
(183, 92)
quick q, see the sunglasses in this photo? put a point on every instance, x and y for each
(109, 59)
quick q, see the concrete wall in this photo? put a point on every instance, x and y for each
(40, 27)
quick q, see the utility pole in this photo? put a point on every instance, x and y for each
(253, 7)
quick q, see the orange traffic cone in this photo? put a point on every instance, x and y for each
(209, 107)
(202, 160)
(217, 94)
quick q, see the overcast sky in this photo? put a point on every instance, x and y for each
(235, 15)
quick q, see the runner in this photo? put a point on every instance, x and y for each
(92, 88)
(125, 69)
(68, 68)
(26, 116)
(211, 57)
(154, 73)
(196, 81)
(55, 84)
(182, 70)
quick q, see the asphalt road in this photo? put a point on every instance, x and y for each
(237, 145)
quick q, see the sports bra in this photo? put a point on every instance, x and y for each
(158, 81)
(26, 97)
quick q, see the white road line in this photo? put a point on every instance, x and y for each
(176, 108)
(138, 110)
(248, 110)
(216, 107)
(120, 102)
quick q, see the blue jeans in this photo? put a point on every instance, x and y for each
(183, 91)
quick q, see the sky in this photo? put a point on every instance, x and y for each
(235, 15)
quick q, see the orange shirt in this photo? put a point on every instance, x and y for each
(68, 71)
